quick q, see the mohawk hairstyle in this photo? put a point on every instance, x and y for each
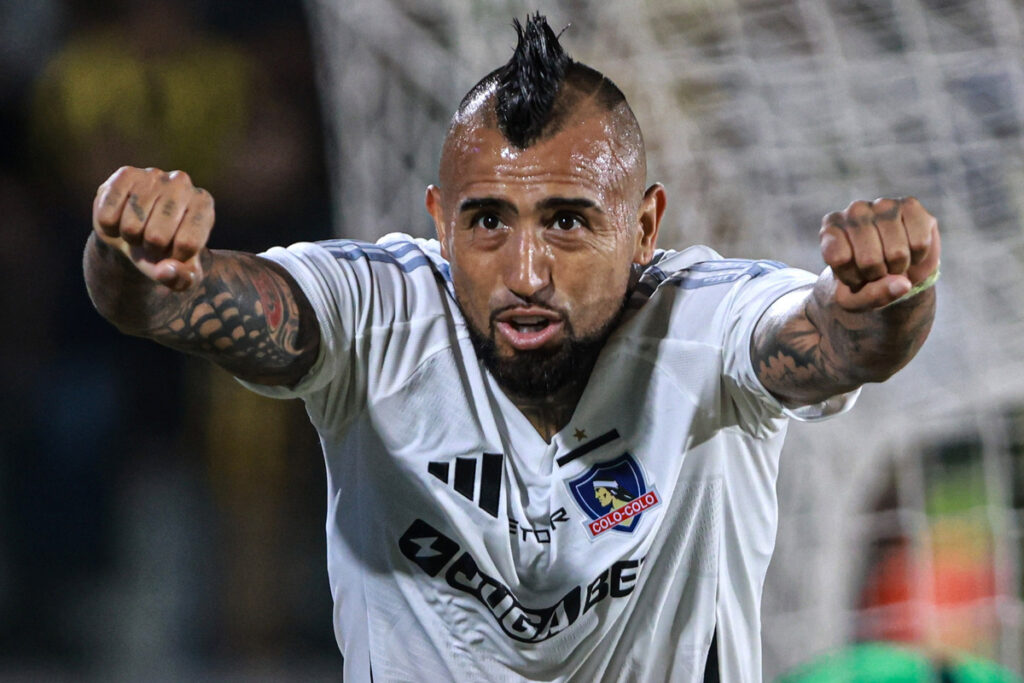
(538, 87)
(528, 84)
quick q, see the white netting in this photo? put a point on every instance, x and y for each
(759, 118)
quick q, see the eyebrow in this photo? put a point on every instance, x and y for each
(497, 204)
(568, 202)
(488, 203)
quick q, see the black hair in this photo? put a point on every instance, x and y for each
(530, 89)
(529, 83)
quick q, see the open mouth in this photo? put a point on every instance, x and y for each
(528, 323)
(526, 329)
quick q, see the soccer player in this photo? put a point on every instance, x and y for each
(480, 396)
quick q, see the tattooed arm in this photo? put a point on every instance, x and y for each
(149, 272)
(852, 326)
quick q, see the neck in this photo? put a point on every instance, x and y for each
(549, 414)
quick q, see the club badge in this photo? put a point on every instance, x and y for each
(613, 495)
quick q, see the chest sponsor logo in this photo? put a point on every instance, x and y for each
(614, 495)
(439, 556)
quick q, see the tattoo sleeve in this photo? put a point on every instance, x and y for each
(247, 314)
(806, 348)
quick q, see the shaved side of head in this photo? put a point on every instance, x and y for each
(541, 91)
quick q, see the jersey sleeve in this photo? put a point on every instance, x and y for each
(361, 293)
(762, 284)
(718, 302)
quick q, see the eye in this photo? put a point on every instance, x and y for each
(487, 221)
(568, 221)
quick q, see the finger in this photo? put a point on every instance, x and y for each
(873, 295)
(169, 272)
(163, 221)
(921, 228)
(177, 275)
(866, 243)
(837, 251)
(110, 201)
(194, 229)
(889, 224)
(138, 206)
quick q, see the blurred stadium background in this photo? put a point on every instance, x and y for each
(159, 523)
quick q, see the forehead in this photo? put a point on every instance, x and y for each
(588, 155)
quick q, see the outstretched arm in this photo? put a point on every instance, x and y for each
(149, 272)
(857, 324)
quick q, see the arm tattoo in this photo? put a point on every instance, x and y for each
(806, 349)
(247, 315)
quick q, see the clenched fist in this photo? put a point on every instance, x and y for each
(159, 220)
(879, 250)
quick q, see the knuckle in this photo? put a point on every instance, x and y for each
(871, 262)
(186, 245)
(156, 240)
(885, 208)
(872, 267)
(180, 176)
(874, 273)
(919, 245)
(110, 199)
(898, 255)
(203, 196)
(832, 219)
(130, 229)
(858, 214)
(106, 224)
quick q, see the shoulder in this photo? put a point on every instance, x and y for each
(698, 267)
(395, 250)
(396, 267)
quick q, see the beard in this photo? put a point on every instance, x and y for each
(545, 372)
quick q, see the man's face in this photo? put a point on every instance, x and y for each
(541, 242)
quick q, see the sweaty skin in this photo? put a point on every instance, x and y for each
(540, 241)
(543, 236)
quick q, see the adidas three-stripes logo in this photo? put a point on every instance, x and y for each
(484, 490)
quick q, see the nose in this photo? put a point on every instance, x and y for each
(528, 264)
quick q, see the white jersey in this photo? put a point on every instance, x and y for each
(463, 547)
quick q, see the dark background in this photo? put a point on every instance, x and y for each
(158, 521)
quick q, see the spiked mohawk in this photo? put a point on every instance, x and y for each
(528, 84)
(537, 88)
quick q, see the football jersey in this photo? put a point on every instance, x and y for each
(463, 546)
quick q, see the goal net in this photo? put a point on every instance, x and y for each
(902, 519)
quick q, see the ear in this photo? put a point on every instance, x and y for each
(652, 208)
(433, 202)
